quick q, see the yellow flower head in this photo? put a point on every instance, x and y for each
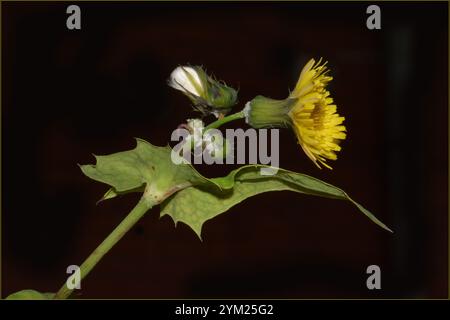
(318, 127)
(309, 110)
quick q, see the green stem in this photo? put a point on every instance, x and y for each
(138, 211)
(216, 124)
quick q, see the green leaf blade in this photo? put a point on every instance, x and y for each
(146, 164)
(30, 294)
(197, 204)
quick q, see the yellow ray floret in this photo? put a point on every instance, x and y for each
(314, 119)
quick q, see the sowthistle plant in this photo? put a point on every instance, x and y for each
(189, 197)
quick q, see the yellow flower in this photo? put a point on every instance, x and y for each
(309, 110)
(317, 125)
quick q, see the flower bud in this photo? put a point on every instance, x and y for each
(187, 80)
(208, 95)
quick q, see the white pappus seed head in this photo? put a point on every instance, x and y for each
(186, 79)
(246, 110)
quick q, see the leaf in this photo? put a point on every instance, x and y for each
(197, 204)
(30, 294)
(132, 170)
(188, 196)
(112, 193)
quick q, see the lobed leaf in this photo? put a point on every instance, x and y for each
(130, 171)
(192, 198)
(197, 204)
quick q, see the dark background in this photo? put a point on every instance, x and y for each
(67, 94)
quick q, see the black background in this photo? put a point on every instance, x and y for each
(67, 94)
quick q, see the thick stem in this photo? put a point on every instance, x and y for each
(216, 124)
(138, 211)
